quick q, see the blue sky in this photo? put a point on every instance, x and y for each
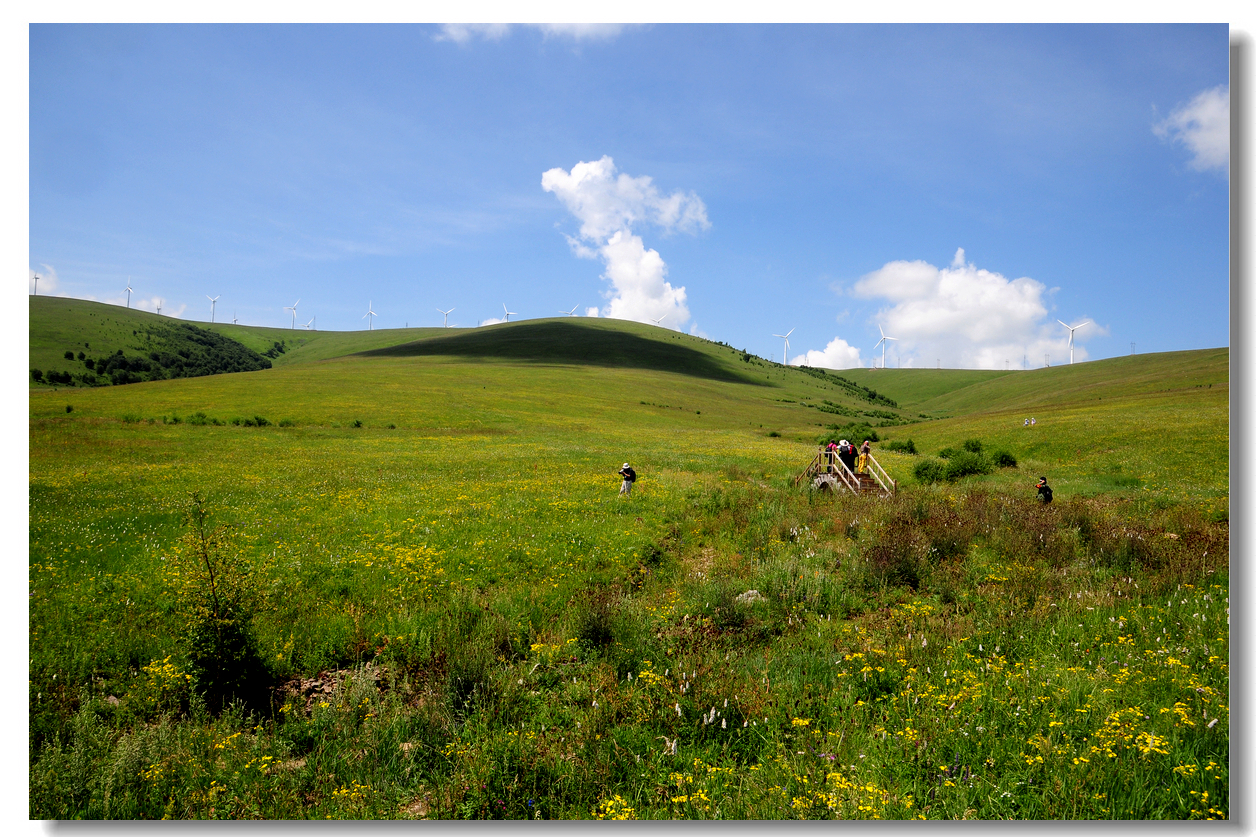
(962, 187)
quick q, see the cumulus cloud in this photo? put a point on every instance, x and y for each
(837, 355)
(48, 282)
(492, 321)
(461, 33)
(608, 206)
(1203, 126)
(591, 311)
(967, 317)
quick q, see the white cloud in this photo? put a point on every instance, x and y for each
(608, 206)
(159, 302)
(1203, 126)
(492, 321)
(47, 283)
(462, 33)
(591, 312)
(966, 317)
(837, 355)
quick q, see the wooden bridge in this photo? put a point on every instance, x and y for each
(828, 467)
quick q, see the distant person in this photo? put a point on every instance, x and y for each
(1032, 421)
(865, 453)
(630, 476)
(846, 453)
(1026, 422)
(1044, 491)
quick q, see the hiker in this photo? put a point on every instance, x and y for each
(1044, 491)
(1032, 421)
(1026, 422)
(865, 453)
(830, 451)
(846, 453)
(630, 476)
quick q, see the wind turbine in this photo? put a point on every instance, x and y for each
(660, 319)
(785, 337)
(570, 313)
(882, 344)
(128, 292)
(1071, 329)
(310, 323)
(37, 285)
(447, 313)
(159, 308)
(234, 319)
(293, 309)
(370, 312)
(213, 303)
(509, 312)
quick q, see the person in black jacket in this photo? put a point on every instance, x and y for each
(630, 476)
(846, 453)
(1044, 491)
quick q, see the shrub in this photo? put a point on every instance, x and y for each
(69, 408)
(287, 423)
(973, 445)
(966, 464)
(774, 434)
(199, 419)
(855, 433)
(356, 423)
(218, 597)
(947, 453)
(1003, 459)
(929, 471)
(69, 355)
(37, 375)
(903, 447)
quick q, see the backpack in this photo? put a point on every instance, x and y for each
(1044, 491)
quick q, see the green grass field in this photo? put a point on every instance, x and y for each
(428, 600)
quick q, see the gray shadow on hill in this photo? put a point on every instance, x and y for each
(574, 343)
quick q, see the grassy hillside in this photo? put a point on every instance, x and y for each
(963, 392)
(58, 324)
(429, 601)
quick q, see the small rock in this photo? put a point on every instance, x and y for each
(750, 597)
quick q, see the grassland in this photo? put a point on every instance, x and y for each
(461, 618)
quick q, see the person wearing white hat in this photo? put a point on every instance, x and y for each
(630, 476)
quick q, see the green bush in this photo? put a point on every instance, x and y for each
(973, 445)
(218, 597)
(37, 375)
(1003, 459)
(929, 471)
(967, 464)
(908, 446)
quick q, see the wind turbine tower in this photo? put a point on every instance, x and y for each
(1071, 329)
(370, 316)
(213, 303)
(570, 313)
(882, 344)
(293, 309)
(128, 292)
(36, 284)
(508, 312)
(447, 313)
(659, 320)
(785, 337)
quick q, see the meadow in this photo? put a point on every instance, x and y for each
(444, 609)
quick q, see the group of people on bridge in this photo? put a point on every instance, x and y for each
(856, 461)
